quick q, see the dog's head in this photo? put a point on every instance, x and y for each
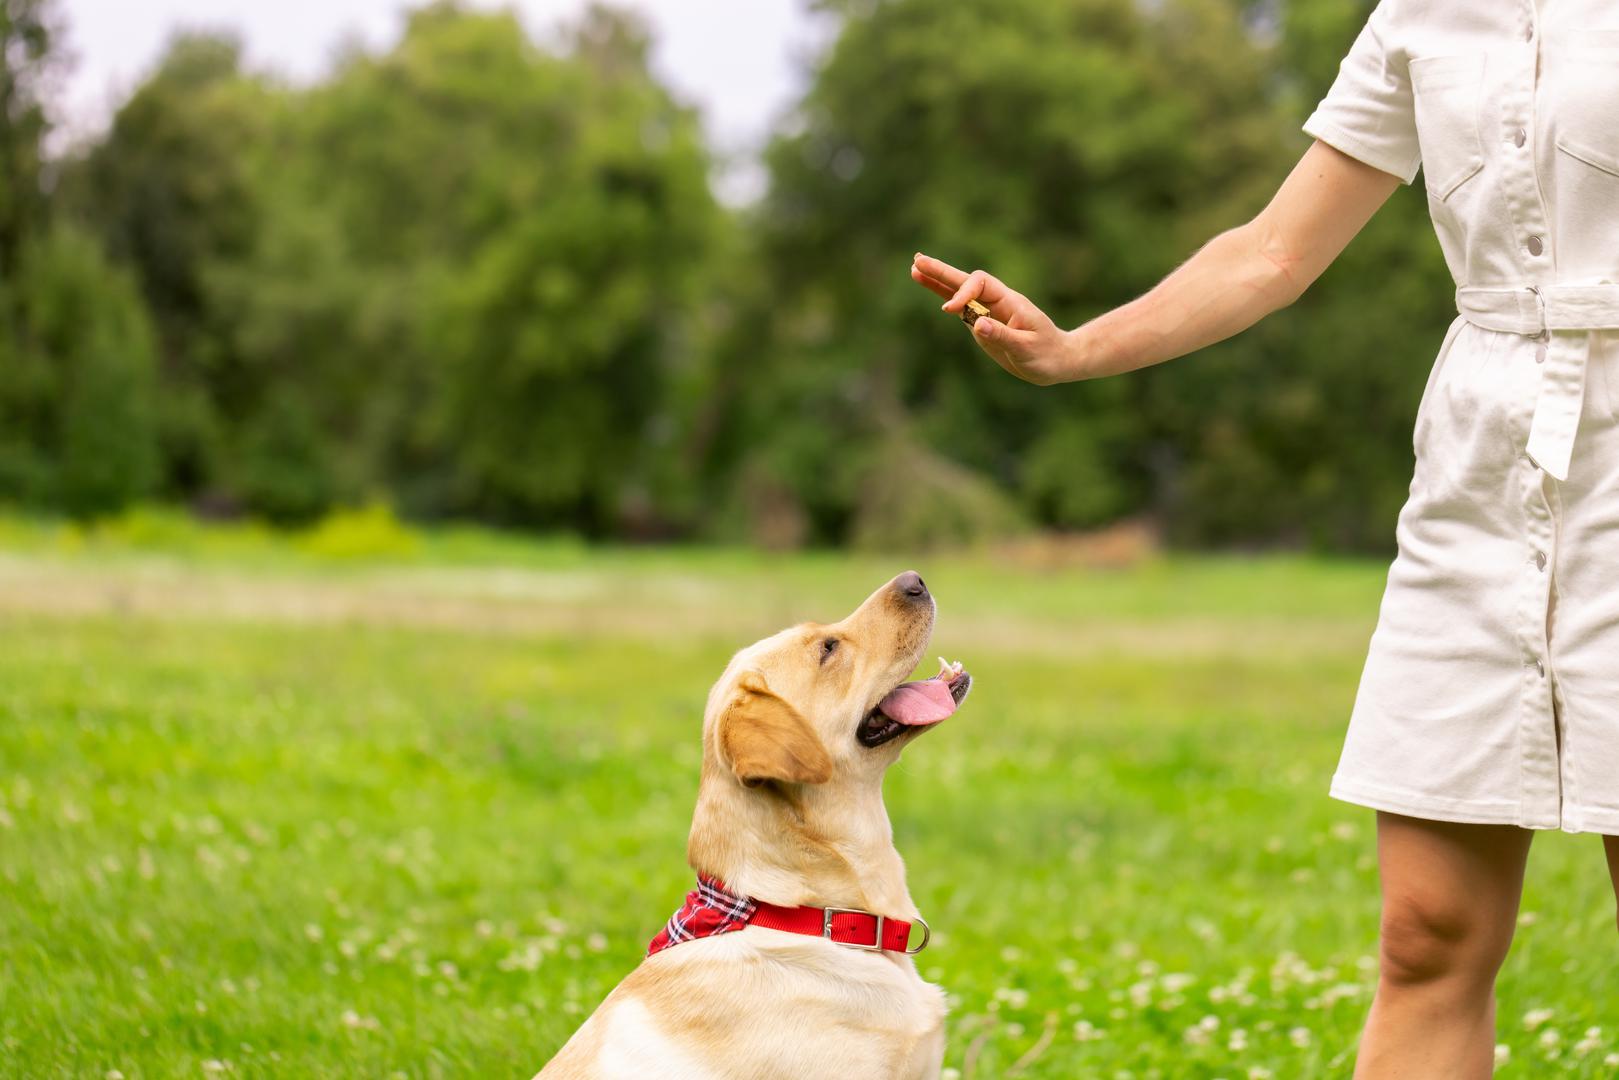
(823, 703)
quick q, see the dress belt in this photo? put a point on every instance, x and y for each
(1563, 316)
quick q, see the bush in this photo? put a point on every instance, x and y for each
(915, 500)
(76, 382)
(367, 532)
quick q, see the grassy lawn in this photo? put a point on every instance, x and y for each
(412, 805)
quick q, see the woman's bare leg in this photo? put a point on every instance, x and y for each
(1450, 903)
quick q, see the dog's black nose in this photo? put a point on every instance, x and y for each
(911, 584)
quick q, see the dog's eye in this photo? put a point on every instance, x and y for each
(828, 647)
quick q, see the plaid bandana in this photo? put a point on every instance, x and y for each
(709, 909)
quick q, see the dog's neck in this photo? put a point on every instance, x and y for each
(817, 845)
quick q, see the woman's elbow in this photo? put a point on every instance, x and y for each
(1281, 271)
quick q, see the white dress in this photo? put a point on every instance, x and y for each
(1491, 688)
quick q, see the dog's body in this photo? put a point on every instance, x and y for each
(796, 737)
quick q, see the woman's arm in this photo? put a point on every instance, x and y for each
(1237, 279)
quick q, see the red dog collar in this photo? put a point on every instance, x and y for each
(712, 909)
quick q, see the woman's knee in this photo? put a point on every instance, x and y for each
(1426, 939)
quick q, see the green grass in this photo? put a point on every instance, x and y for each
(423, 827)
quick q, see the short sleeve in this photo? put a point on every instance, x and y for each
(1368, 113)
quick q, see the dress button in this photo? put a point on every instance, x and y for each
(1540, 669)
(1540, 353)
(1540, 560)
(1520, 137)
(1535, 246)
(1529, 33)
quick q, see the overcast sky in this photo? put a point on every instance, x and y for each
(740, 61)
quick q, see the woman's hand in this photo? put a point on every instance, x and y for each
(1016, 334)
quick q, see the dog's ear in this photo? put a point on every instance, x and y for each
(764, 738)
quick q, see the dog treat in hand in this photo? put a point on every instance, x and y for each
(973, 312)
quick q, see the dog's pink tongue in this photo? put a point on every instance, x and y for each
(914, 704)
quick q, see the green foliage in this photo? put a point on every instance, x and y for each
(1066, 478)
(369, 532)
(484, 277)
(1079, 150)
(1076, 148)
(26, 63)
(76, 382)
(912, 500)
(457, 271)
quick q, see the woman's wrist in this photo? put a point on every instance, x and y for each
(1078, 355)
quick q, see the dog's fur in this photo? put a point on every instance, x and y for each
(790, 811)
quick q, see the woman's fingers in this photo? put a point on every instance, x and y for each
(988, 290)
(939, 270)
(959, 286)
(931, 283)
(971, 289)
(991, 337)
(999, 337)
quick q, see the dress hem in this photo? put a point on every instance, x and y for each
(1472, 811)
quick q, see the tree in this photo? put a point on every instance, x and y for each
(171, 192)
(26, 61)
(534, 225)
(1080, 149)
(75, 345)
(1074, 147)
(457, 272)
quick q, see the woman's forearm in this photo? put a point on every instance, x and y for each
(1224, 289)
(1242, 275)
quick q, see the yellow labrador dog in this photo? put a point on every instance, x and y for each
(792, 957)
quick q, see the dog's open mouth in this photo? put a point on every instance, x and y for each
(914, 706)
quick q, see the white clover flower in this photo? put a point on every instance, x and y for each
(1503, 1054)
(1299, 1036)
(355, 1022)
(1536, 1017)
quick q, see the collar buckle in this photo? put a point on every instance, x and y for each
(826, 929)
